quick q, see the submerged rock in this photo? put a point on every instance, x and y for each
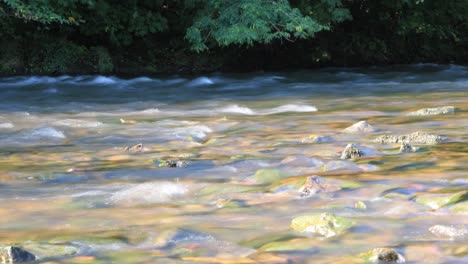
(325, 224)
(360, 127)
(316, 184)
(174, 163)
(15, 255)
(351, 151)
(436, 201)
(135, 148)
(414, 138)
(407, 147)
(383, 255)
(317, 139)
(449, 231)
(340, 165)
(47, 250)
(360, 205)
(443, 110)
(269, 175)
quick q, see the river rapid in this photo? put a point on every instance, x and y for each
(74, 188)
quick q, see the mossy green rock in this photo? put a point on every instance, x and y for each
(265, 176)
(459, 207)
(325, 224)
(45, 250)
(382, 255)
(436, 201)
(288, 245)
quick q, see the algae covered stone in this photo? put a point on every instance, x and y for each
(15, 255)
(263, 176)
(325, 224)
(382, 255)
(436, 201)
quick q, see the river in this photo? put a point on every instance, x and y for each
(74, 188)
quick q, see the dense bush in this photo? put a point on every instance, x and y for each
(151, 36)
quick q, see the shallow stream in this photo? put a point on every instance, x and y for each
(246, 144)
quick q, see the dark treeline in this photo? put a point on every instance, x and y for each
(193, 36)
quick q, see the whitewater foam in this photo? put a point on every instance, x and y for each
(47, 132)
(280, 109)
(148, 193)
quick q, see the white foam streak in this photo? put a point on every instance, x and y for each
(280, 109)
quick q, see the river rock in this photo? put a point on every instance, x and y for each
(135, 148)
(316, 184)
(439, 200)
(263, 176)
(317, 139)
(406, 147)
(351, 151)
(47, 250)
(443, 110)
(360, 127)
(15, 255)
(325, 224)
(340, 165)
(174, 163)
(458, 231)
(413, 138)
(383, 255)
(360, 205)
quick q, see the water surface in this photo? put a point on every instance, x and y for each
(67, 180)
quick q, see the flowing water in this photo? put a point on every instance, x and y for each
(69, 186)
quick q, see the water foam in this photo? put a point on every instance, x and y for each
(149, 193)
(77, 123)
(280, 109)
(47, 132)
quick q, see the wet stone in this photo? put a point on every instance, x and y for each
(360, 205)
(174, 163)
(317, 139)
(360, 127)
(340, 165)
(443, 110)
(436, 201)
(135, 148)
(316, 184)
(383, 256)
(351, 151)
(325, 224)
(406, 147)
(413, 138)
(457, 231)
(15, 255)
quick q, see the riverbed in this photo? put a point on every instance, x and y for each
(76, 184)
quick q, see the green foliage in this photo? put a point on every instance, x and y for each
(56, 57)
(63, 36)
(104, 62)
(248, 22)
